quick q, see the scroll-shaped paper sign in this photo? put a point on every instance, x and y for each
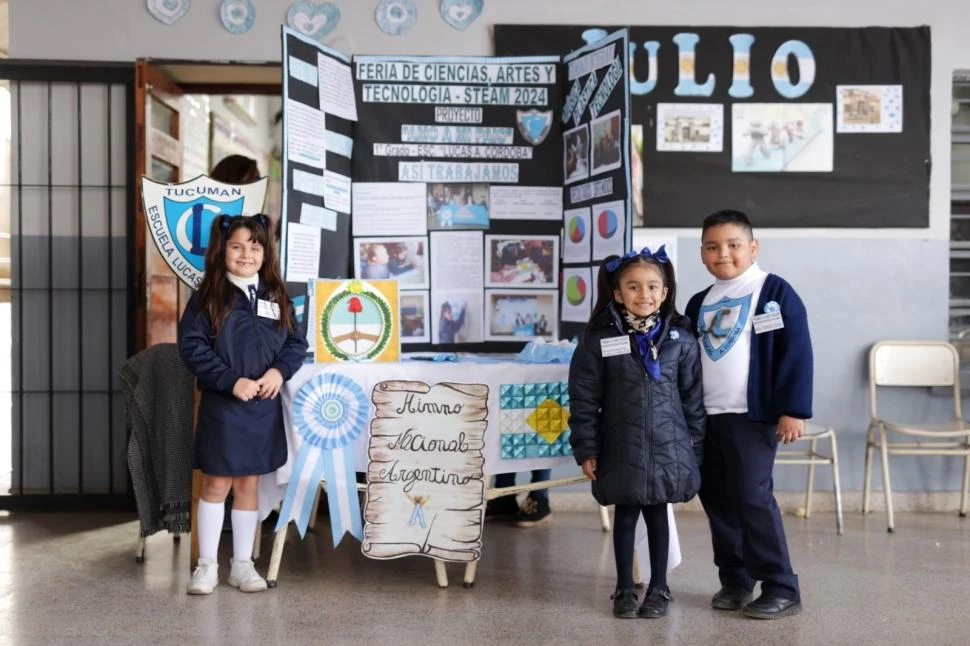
(426, 489)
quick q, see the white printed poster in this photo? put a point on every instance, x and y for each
(576, 245)
(389, 208)
(526, 202)
(577, 294)
(608, 224)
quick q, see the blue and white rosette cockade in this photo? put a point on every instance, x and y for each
(329, 412)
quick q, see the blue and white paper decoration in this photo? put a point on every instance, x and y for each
(396, 16)
(314, 20)
(460, 14)
(329, 412)
(168, 11)
(237, 16)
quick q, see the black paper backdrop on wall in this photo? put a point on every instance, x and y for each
(878, 179)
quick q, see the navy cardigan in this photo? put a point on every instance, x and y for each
(780, 374)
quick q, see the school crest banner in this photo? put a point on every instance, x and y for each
(179, 217)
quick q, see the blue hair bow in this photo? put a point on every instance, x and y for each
(660, 256)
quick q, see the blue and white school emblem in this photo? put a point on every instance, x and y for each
(771, 307)
(179, 217)
(534, 125)
(722, 323)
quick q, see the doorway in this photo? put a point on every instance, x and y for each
(75, 271)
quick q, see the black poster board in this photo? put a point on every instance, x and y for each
(458, 169)
(301, 90)
(877, 179)
(596, 199)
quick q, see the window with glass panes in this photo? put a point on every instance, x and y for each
(960, 208)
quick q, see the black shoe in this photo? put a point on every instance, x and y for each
(625, 604)
(768, 606)
(504, 508)
(655, 603)
(534, 512)
(728, 598)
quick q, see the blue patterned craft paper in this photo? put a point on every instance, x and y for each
(237, 16)
(313, 20)
(329, 412)
(168, 12)
(460, 14)
(395, 17)
(532, 419)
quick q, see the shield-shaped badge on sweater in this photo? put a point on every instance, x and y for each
(179, 217)
(721, 324)
(534, 125)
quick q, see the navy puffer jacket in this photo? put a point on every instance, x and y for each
(647, 435)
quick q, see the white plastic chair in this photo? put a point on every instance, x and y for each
(922, 364)
(812, 457)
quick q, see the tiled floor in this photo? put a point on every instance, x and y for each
(72, 579)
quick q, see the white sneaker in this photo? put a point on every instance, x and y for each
(205, 577)
(243, 575)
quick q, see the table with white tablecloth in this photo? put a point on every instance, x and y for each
(525, 421)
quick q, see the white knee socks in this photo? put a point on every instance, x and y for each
(210, 519)
(243, 533)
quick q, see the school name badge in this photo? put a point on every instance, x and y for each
(179, 217)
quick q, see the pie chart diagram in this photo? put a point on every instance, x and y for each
(606, 223)
(575, 290)
(577, 230)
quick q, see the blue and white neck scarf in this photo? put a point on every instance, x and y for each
(646, 331)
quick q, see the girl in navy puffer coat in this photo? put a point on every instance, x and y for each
(637, 414)
(239, 337)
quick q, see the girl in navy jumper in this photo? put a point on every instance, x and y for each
(239, 338)
(636, 414)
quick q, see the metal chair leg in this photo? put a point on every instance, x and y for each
(272, 574)
(884, 454)
(835, 483)
(811, 478)
(867, 473)
(604, 518)
(966, 485)
(140, 549)
(257, 540)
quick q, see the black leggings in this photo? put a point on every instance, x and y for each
(658, 540)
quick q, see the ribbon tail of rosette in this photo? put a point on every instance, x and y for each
(338, 467)
(302, 489)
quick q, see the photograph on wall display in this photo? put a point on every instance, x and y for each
(636, 174)
(519, 315)
(457, 206)
(782, 137)
(607, 139)
(403, 259)
(456, 316)
(690, 127)
(522, 261)
(576, 154)
(869, 108)
(414, 317)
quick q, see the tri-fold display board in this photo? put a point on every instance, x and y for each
(457, 178)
